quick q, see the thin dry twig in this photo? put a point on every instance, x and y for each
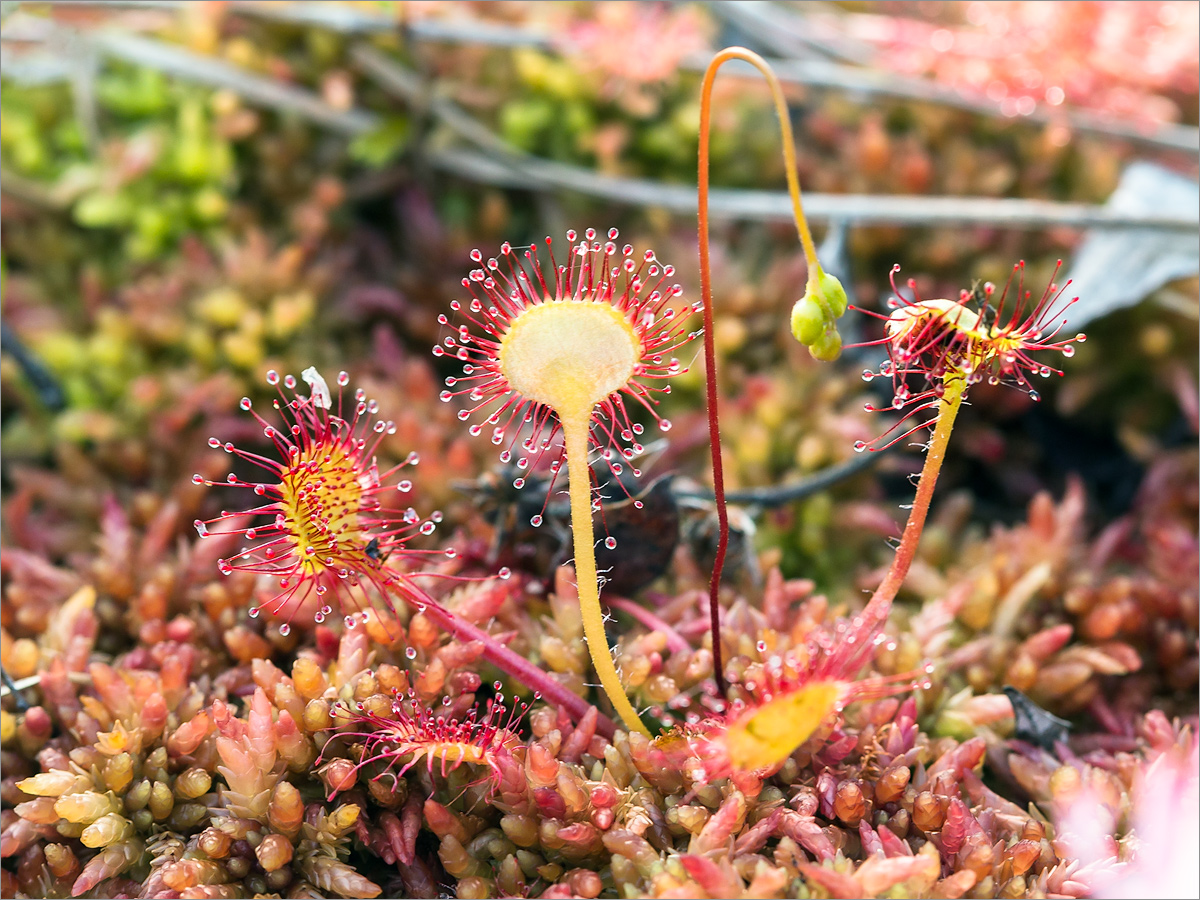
(505, 166)
(853, 209)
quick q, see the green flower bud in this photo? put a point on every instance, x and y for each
(829, 293)
(815, 315)
(827, 347)
(808, 322)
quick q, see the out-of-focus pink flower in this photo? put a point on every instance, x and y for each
(1159, 848)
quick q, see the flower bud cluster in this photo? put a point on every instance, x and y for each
(815, 315)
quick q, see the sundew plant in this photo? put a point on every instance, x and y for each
(566, 352)
(553, 357)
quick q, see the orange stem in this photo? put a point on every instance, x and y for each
(881, 601)
(710, 356)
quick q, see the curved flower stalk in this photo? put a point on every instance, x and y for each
(943, 347)
(814, 317)
(815, 314)
(329, 531)
(552, 360)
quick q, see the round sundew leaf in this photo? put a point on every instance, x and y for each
(770, 733)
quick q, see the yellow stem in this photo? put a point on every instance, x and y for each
(579, 482)
(785, 130)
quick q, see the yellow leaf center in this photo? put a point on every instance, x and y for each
(320, 495)
(569, 355)
(769, 734)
